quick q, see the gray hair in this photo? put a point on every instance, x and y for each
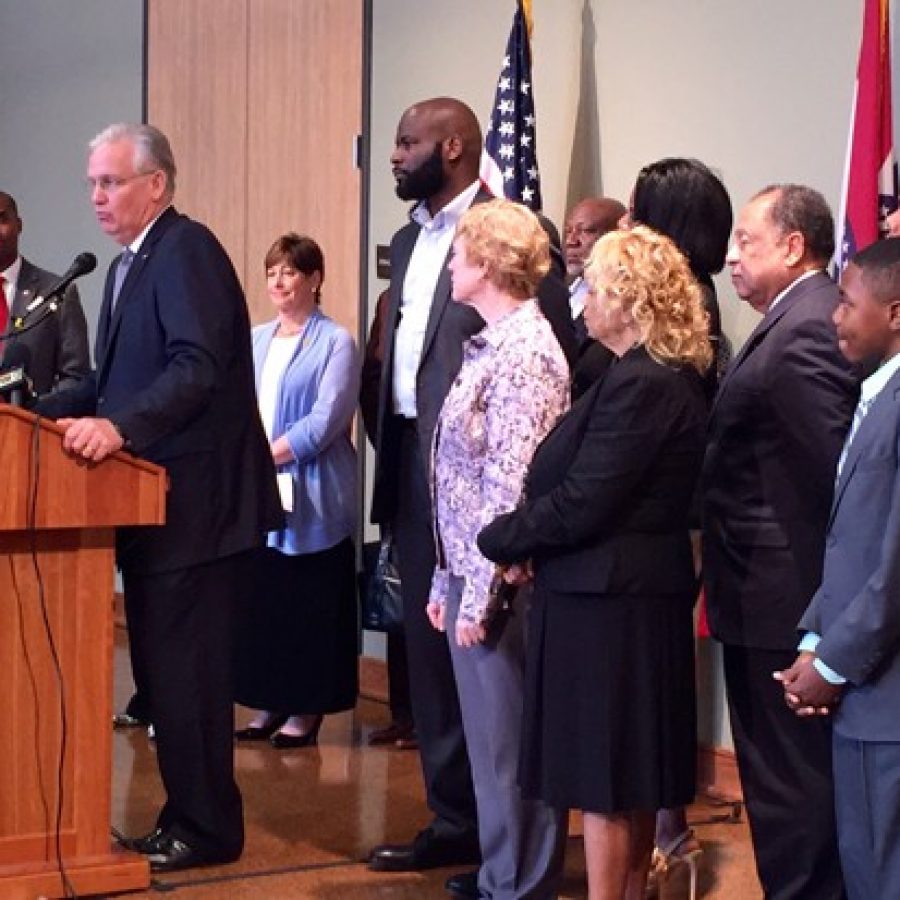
(151, 148)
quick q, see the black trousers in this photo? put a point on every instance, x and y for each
(398, 678)
(435, 704)
(785, 767)
(181, 628)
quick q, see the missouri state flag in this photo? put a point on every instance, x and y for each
(509, 160)
(870, 172)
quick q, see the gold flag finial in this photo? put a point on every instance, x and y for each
(529, 19)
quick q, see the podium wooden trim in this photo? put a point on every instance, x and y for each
(57, 520)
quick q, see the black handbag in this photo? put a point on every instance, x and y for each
(382, 601)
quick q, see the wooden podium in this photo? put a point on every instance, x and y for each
(57, 528)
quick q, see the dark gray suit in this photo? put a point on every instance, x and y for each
(58, 346)
(776, 430)
(857, 612)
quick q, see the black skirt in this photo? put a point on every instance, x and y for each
(298, 640)
(610, 706)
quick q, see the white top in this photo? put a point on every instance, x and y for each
(578, 291)
(425, 266)
(281, 351)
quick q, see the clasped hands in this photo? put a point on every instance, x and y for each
(806, 692)
(470, 634)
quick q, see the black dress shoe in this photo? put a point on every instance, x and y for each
(172, 855)
(290, 741)
(464, 884)
(390, 734)
(260, 732)
(145, 844)
(126, 720)
(427, 851)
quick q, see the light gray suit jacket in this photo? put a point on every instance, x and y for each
(60, 357)
(857, 607)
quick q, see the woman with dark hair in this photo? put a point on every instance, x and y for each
(298, 642)
(684, 200)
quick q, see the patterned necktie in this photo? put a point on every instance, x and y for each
(858, 415)
(121, 272)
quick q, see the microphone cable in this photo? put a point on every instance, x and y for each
(31, 521)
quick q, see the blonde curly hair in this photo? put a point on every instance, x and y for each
(508, 240)
(643, 274)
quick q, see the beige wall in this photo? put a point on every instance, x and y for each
(54, 97)
(759, 91)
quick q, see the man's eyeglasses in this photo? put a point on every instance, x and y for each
(109, 184)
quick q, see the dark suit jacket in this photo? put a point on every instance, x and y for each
(58, 345)
(449, 325)
(608, 491)
(857, 607)
(776, 430)
(175, 374)
(593, 362)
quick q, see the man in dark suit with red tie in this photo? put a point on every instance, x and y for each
(57, 344)
(174, 384)
(776, 430)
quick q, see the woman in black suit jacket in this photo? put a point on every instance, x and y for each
(610, 713)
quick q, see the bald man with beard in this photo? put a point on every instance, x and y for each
(435, 164)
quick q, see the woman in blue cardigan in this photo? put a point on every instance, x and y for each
(298, 644)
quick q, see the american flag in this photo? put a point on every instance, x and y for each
(870, 172)
(509, 160)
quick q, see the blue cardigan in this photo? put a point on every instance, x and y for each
(317, 397)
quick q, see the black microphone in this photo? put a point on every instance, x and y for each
(15, 384)
(82, 264)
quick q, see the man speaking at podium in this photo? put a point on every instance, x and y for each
(174, 385)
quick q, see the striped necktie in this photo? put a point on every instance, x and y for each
(121, 273)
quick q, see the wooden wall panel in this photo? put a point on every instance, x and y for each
(262, 100)
(305, 109)
(197, 94)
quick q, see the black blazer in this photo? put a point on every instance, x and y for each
(175, 374)
(776, 431)
(449, 325)
(58, 346)
(608, 491)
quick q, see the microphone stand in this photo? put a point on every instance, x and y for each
(18, 325)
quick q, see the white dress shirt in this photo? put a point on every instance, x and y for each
(578, 291)
(425, 265)
(11, 279)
